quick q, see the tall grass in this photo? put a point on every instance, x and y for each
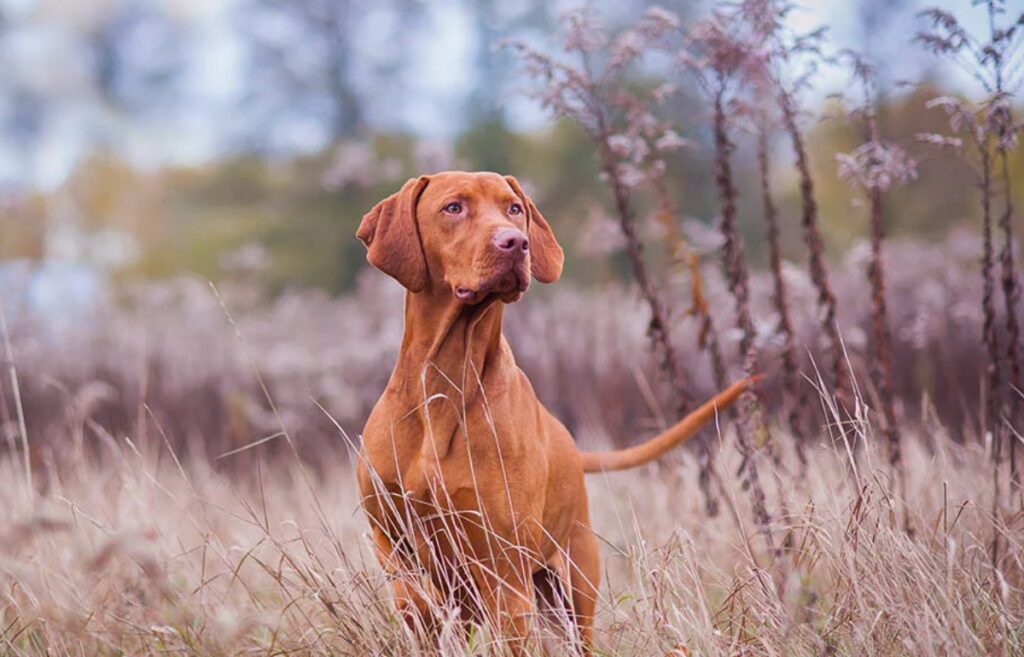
(136, 538)
(133, 549)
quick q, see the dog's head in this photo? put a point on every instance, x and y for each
(476, 234)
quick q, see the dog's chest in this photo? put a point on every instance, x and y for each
(422, 465)
(481, 468)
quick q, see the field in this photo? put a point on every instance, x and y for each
(191, 340)
(137, 539)
(130, 551)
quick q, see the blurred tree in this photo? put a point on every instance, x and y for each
(23, 110)
(92, 68)
(306, 72)
(880, 32)
(82, 77)
(88, 71)
(138, 54)
(495, 21)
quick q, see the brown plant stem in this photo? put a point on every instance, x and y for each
(737, 276)
(658, 328)
(798, 399)
(1011, 294)
(707, 339)
(995, 56)
(684, 257)
(1011, 291)
(994, 401)
(988, 305)
(812, 238)
(881, 364)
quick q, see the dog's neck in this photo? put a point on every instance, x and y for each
(448, 342)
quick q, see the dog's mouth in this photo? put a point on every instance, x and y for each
(507, 286)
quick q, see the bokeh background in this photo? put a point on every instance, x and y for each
(144, 139)
(151, 147)
(191, 339)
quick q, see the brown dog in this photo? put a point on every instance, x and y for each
(474, 491)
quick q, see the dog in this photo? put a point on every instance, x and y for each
(474, 491)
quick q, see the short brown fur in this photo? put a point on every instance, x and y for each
(474, 491)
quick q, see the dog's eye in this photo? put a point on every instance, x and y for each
(453, 208)
(515, 209)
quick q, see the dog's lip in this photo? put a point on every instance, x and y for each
(486, 289)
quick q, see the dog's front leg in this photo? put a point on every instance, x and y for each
(507, 598)
(414, 596)
(584, 578)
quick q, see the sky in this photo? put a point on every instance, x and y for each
(426, 98)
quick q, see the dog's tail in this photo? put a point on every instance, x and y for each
(622, 459)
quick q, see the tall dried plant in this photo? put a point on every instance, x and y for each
(874, 168)
(591, 94)
(764, 22)
(996, 63)
(964, 120)
(777, 50)
(761, 36)
(796, 394)
(1001, 49)
(591, 91)
(772, 50)
(812, 238)
(686, 260)
(720, 60)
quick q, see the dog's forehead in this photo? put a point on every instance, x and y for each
(476, 184)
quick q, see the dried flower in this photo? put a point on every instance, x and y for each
(876, 165)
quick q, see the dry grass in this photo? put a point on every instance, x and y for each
(129, 551)
(135, 539)
(123, 532)
(168, 346)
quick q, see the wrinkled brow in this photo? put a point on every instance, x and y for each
(463, 191)
(478, 192)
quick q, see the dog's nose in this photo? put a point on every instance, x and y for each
(511, 240)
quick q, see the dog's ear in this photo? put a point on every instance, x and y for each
(546, 257)
(392, 237)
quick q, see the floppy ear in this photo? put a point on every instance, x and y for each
(546, 257)
(392, 237)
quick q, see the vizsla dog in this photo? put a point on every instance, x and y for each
(474, 491)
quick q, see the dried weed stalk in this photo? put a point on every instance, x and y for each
(996, 62)
(874, 168)
(777, 48)
(721, 60)
(591, 92)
